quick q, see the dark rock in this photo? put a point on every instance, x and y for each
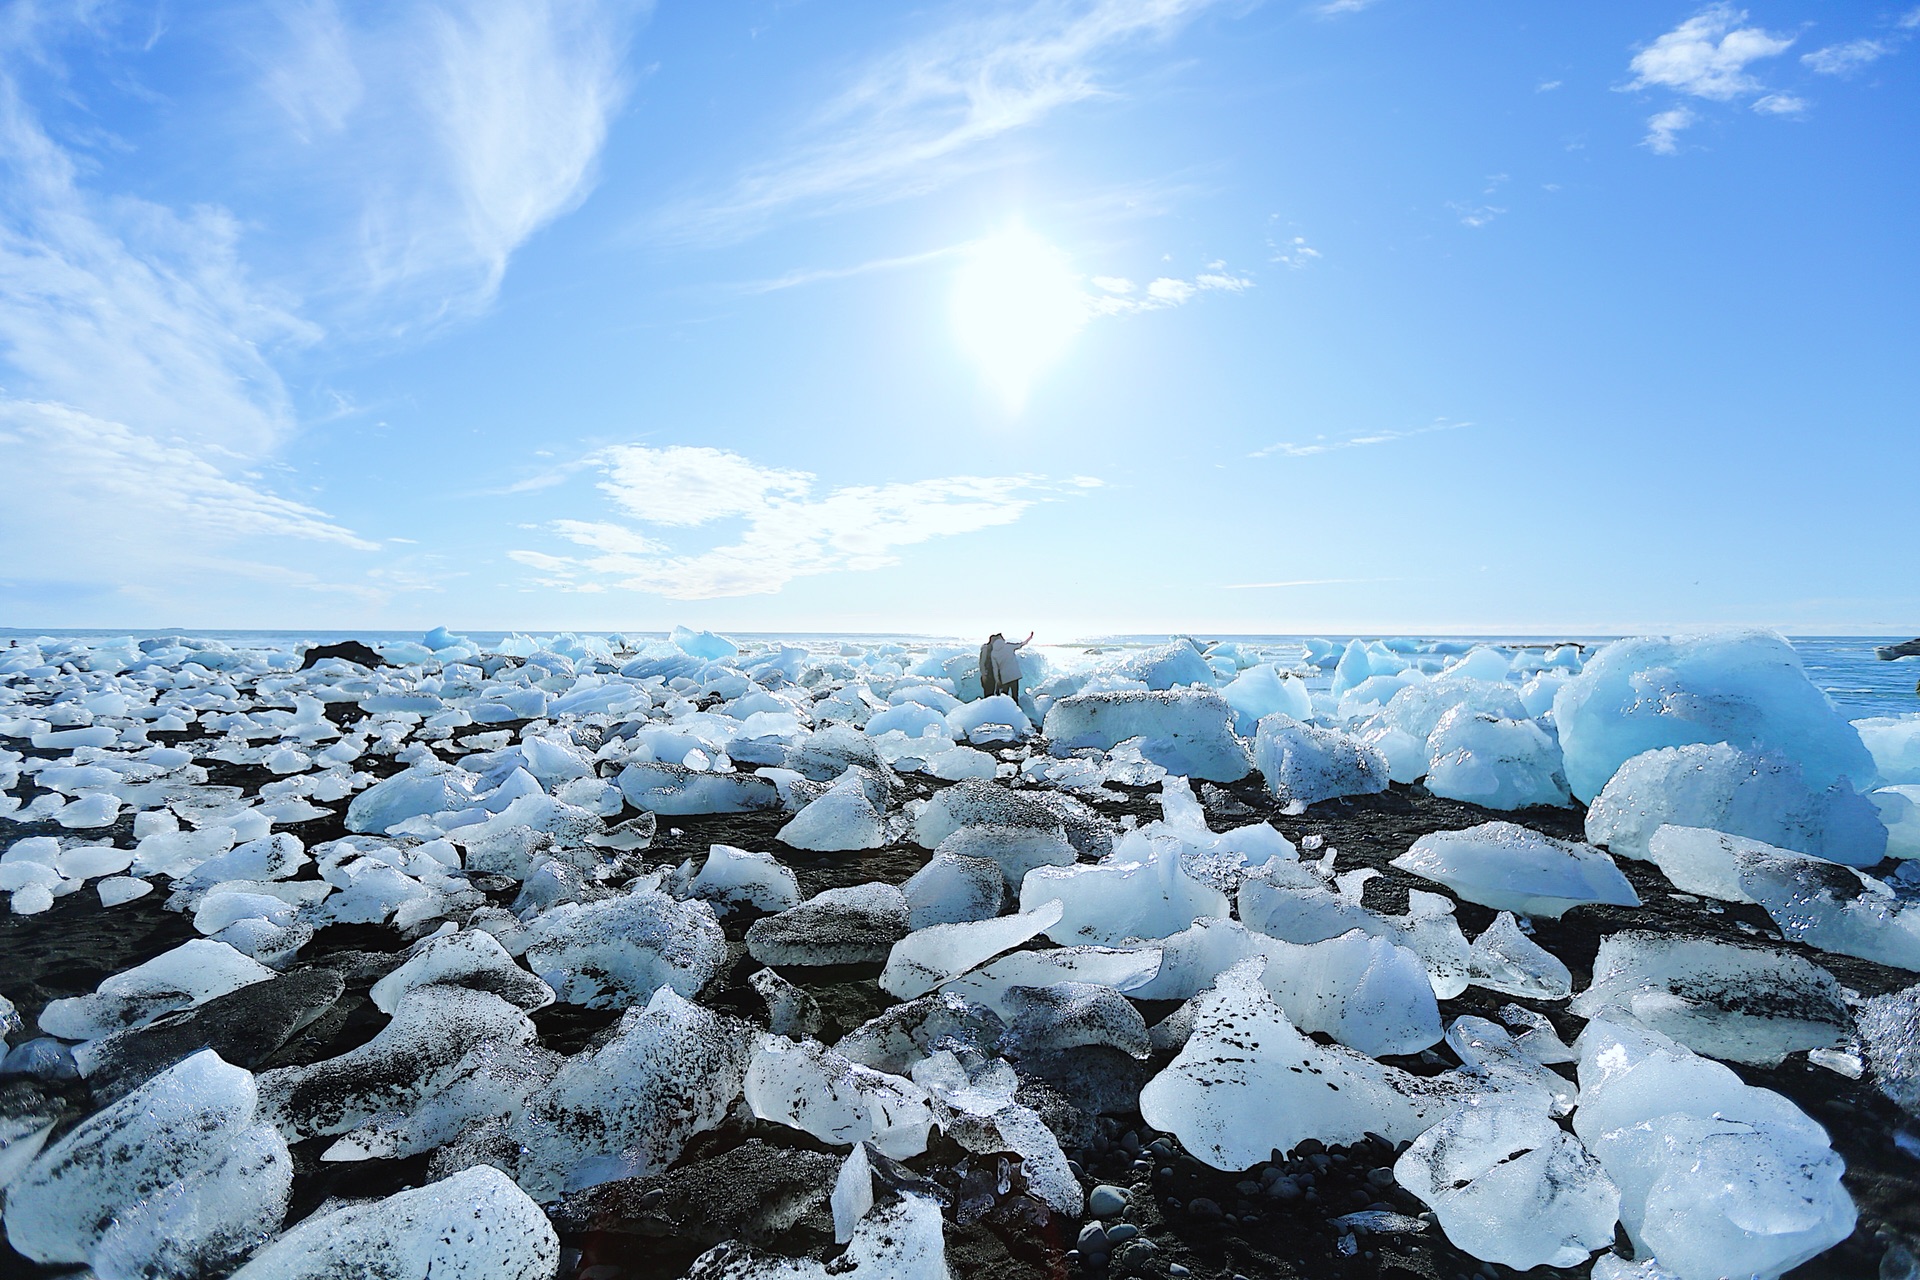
(753, 1192)
(244, 1027)
(1204, 1209)
(350, 650)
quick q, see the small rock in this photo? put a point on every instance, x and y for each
(1121, 1232)
(1093, 1240)
(1107, 1201)
(1203, 1208)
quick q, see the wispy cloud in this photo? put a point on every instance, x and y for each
(1298, 582)
(1117, 295)
(821, 275)
(454, 131)
(913, 119)
(1334, 8)
(1780, 104)
(1330, 444)
(785, 531)
(1844, 59)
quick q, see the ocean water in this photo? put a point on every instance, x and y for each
(1859, 683)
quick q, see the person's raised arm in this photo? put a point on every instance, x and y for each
(1024, 643)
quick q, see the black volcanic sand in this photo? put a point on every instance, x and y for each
(767, 1184)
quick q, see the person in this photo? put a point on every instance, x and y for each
(1000, 665)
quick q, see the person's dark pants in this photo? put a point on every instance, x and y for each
(1011, 690)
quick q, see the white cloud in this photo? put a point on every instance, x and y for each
(1294, 251)
(1546, 86)
(1843, 59)
(1707, 56)
(914, 118)
(1663, 130)
(1909, 20)
(1780, 104)
(1330, 444)
(1334, 8)
(787, 532)
(1120, 296)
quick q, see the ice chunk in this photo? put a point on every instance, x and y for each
(898, 1241)
(1016, 850)
(206, 1221)
(628, 1107)
(1716, 1177)
(1508, 961)
(1833, 908)
(1247, 1082)
(925, 958)
(894, 1039)
(808, 1086)
(1487, 1047)
(408, 1062)
(1360, 989)
(1899, 809)
(616, 951)
(986, 1120)
(1715, 786)
(470, 958)
(490, 1084)
(475, 1225)
(998, 711)
(852, 1197)
(423, 789)
(848, 815)
(1705, 993)
(274, 857)
(953, 888)
(1186, 731)
(1509, 1186)
(1126, 971)
(790, 1011)
(187, 975)
(1890, 1034)
(853, 925)
(674, 789)
(186, 1146)
(1261, 691)
(1510, 868)
(1305, 765)
(970, 804)
(735, 877)
(1293, 903)
(1894, 742)
(1698, 860)
(1538, 1040)
(1070, 1015)
(1745, 689)
(1109, 904)
(1494, 762)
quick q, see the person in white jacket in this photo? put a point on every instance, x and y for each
(1000, 665)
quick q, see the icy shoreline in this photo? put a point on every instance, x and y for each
(495, 806)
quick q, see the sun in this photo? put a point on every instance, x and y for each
(1016, 307)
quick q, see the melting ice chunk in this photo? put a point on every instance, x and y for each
(1508, 961)
(1716, 1177)
(1509, 868)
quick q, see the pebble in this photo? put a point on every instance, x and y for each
(1201, 1207)
(1380, 1177)
(1121, 1232)
(1175, 1269)
(1093, 1239)
(1107, 1201)
(1284, 1188)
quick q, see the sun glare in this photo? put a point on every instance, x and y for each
(1016, 306)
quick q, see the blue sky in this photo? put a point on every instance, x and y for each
(1084, 315)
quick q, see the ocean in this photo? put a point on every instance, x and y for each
(1859, 683)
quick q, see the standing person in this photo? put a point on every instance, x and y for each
(1000, 665)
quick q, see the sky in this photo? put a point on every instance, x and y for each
(1084, 316)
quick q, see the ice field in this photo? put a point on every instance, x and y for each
(599, 957)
